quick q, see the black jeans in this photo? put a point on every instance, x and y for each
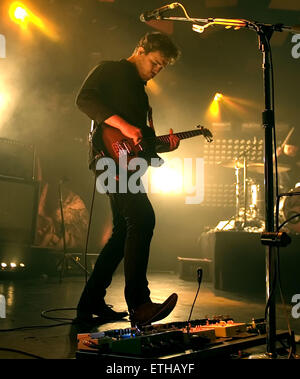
(133, 224)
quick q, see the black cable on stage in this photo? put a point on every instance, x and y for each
(199, 279)
(43, 314)
(89, 227)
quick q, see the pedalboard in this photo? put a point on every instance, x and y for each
(159, 340)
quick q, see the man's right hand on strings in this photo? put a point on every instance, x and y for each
(125, 128)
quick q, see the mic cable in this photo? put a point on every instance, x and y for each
(199, 279)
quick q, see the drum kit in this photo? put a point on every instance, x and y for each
(249, 197)
(289, 209)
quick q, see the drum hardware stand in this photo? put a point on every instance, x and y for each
(66, 256)
(237, 221)
(239, 224)
(264, 32)
(245, 191)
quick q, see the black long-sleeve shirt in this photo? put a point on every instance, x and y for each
(114, 88)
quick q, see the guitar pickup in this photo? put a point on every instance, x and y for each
(126, 147)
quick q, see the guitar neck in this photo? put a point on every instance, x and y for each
(181, 135)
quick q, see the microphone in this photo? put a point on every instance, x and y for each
(156, 13)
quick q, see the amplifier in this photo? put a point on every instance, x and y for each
(18, 210)
(17, 160)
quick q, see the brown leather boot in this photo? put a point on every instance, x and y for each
(150, 312)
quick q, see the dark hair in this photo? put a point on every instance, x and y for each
(157, 41)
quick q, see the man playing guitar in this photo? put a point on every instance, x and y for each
(114, 95)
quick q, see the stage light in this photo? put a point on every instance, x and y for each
(23, 16)
(3, 264)
(241, 107)
(22, 265)
(13, 265)
(218, 96)
(166, 180)
(214, 108)
(20, 14)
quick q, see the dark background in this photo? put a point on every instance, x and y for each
(41, 78)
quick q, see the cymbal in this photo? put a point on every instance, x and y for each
(259, 168)
(232, 164)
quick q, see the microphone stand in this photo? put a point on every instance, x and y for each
(265, 32)
(268, 121)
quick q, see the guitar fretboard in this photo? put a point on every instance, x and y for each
(181, 135)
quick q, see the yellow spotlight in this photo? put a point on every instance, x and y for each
(218, 96)
(239, 105)
(3, 264)
(13, 265)
(166, 180)
(214, 109)
(21, 15)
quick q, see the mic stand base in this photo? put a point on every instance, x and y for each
(67, 256)
(64, 264)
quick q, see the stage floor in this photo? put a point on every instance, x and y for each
(25, 330)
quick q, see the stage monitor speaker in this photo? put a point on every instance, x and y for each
(17, 160)
(18, 210)
(239, 261)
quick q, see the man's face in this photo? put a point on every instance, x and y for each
(149, 65)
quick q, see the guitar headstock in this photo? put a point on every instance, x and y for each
(206, 133)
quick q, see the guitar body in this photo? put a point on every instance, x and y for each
(112, 143)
